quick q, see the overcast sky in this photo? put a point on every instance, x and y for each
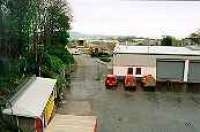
(139, 18)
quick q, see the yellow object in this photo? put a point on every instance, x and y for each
(49, 109)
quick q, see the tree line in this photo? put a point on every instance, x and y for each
(33, 32)
(33, 36)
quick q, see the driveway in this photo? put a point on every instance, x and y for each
(122, 111)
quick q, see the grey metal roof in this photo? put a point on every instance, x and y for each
(162, 50)
(33, 99)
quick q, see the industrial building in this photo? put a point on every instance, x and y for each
(32, 107)
(164, 63)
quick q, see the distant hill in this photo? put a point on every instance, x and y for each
(77, 35)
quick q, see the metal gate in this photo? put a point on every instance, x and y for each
(194, 72)
(170, 70)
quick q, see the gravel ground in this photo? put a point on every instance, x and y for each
(122, 111)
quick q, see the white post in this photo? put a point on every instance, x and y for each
(186, 70)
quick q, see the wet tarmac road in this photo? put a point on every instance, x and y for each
(122, 111)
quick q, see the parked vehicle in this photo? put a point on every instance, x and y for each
(148, 81)
(75, 51)
(129, 82)
(111, 81)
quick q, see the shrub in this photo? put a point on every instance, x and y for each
(105, 59)
(63, 54)
(53, 63)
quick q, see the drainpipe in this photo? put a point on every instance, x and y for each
(186, 70)
(126, 44)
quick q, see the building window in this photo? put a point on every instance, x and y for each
(138, 71)
(130, 71)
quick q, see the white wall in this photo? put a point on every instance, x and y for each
(121, 63)
(122, 71)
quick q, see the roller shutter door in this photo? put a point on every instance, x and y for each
(170, 70)
(194, 72)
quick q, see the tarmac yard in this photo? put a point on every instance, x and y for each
(123, 111)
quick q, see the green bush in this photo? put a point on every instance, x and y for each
(105, 59)
(53, 63)
(12, 71)
(63, 54)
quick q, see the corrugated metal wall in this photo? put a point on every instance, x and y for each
(133, 60)
(170, 70)
(194, 72)
(26, 124)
